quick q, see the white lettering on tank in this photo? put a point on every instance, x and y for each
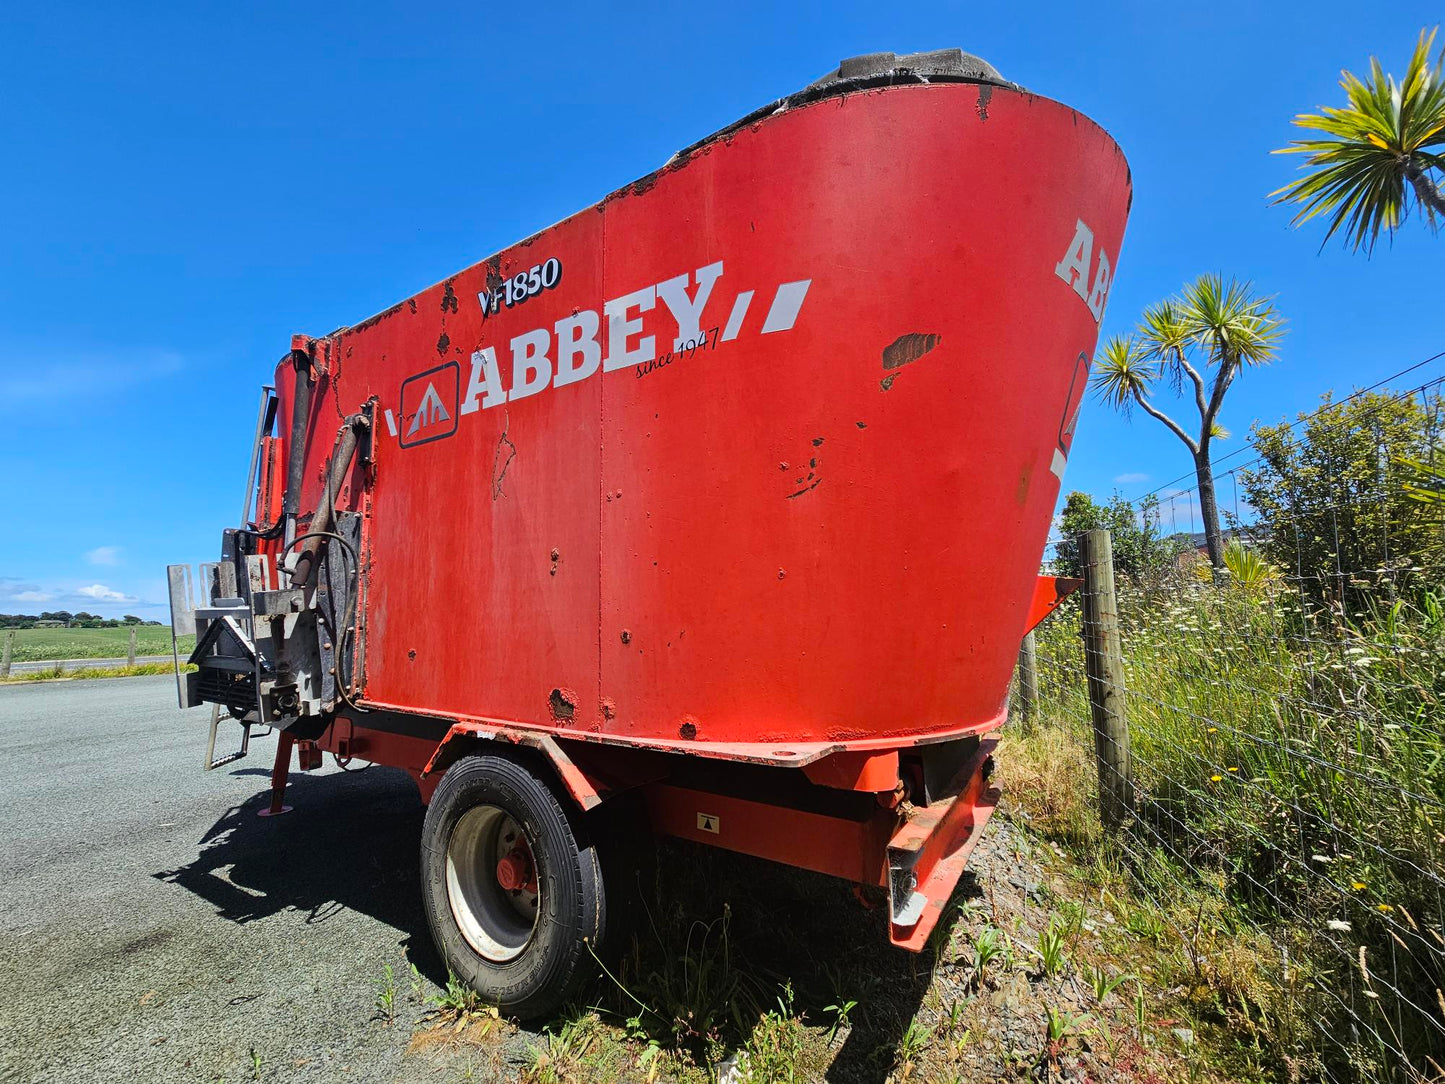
(484, 386)
(578, 352)
(687, 311)
(531, 367)
(621, 327)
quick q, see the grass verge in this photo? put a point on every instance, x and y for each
(740, 970)
(60, 673)
(1288, 771)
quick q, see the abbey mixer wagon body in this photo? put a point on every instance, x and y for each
(727, 494)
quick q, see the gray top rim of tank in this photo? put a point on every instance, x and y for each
(867, 72)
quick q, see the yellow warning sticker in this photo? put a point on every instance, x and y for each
(709, 822)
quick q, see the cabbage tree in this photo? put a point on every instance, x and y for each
(1194, 345)
(1375, 157)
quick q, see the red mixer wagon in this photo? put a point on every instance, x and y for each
(726, 494)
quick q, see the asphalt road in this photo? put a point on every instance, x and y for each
(153, 928)
(18, 667)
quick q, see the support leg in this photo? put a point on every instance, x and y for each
(279, 773)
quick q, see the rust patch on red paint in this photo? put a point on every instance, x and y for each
(449, 299)
(501, 460)
(1021, 495)
(687, 729)
(563, 705)
(807, 482)
(907, 349)
(379, 317)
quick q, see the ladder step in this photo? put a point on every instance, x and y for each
(211, 761)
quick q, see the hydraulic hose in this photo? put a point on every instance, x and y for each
(321, 523)
(343, 629)
(296, 445)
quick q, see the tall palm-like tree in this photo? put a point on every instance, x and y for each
(1197, 344)
(1373, 154)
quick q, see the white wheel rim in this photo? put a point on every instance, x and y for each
(496, 922)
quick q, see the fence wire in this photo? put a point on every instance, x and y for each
(1286, 738)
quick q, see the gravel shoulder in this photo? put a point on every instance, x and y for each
(153, 928)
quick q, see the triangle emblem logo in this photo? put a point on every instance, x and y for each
(431, 411)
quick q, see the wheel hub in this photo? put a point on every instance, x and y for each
(515, 872)
(492, 883)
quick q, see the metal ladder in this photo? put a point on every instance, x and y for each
(212, 761)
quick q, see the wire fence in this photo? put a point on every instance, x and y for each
(1284, 750)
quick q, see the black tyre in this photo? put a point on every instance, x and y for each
(512, 884)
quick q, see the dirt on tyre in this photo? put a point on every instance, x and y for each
(512, 884)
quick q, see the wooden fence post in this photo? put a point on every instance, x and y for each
(5, 657)
(1028, 677)
(1104, 662)
(130, 655)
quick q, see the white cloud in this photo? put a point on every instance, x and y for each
(104, 555)
(20, 596)
(15, 590)
(1130, 479)
(101, 593)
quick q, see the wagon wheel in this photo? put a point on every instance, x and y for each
(512, 884)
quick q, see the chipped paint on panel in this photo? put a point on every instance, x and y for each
(907, 349)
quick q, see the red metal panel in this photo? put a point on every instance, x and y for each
(943, 876)
(833, 531)
(483, 542)
(818, 530)
(1049, 591)
(851, 849)
(934, 842)
(583, 791)
(877, 772)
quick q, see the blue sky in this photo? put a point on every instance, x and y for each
(186, 186)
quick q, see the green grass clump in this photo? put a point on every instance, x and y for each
(55, 673)
(1289, 761)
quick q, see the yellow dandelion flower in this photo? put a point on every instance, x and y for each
(1358, 886)
(1215, 778)
(1234, 769)
(1384, 908)
(1212, 730)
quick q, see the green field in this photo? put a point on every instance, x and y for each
(32, 645)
